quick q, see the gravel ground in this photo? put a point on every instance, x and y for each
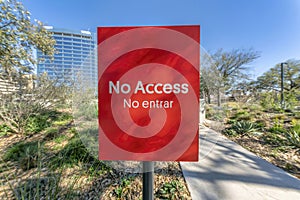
(74, 183)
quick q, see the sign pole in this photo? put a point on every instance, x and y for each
(148, 181)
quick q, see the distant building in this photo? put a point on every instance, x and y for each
(75, 59)
(10, 86)
(7, 87)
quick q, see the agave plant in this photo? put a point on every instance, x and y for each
(243, 128)
(293, 137)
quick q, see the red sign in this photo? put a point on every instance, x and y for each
(148, 93)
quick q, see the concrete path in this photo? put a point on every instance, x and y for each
(227, 171)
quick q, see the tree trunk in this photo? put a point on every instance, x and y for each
(219, 97)
(208, 97)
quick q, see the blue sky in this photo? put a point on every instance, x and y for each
(269, 26)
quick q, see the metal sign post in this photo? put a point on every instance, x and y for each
(148, 181)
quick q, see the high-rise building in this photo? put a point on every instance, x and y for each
(75, 57)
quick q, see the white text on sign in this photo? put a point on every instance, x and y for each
(147, 104)
(149, 88)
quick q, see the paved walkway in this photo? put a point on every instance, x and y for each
(227, 171)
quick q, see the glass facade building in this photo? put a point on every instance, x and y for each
(75, 57)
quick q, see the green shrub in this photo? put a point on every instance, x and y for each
(277, 129)
(63, 119)
(293, 134)
(87, 110)
(270, 102)
(4, 130)
(37, 123)
(26, 154)
(255, 108)
(290, 100)
(72, 154)
(293, 138)
(260, 124)
(60, 139)
(242, 115)
(40, 122)
(96, 168)
(64, 116)
(123, 187)
(274, 138)
(230, 132)
(216, 114)
(241, 112)
(170, 190)
(296, 125)
(51, 133)
(246, 117)
(231, 121)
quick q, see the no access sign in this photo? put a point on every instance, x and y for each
(148, 82)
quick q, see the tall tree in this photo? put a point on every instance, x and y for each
(18, 39)
(28, 95)
(231, 66)
(271, 79)
(209, 76)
